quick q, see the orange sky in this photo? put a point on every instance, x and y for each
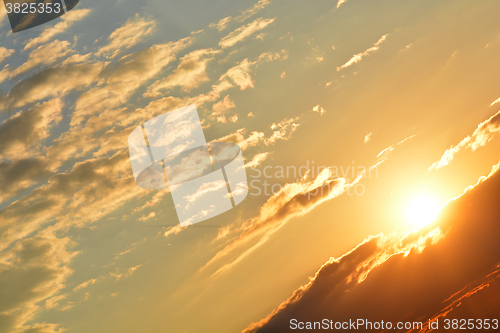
(404, 90)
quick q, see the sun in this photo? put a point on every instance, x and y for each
(422, 210)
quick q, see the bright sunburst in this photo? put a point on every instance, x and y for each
(422, 210)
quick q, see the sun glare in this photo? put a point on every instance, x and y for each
(422, 211)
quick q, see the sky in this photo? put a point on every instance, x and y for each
(348, 110)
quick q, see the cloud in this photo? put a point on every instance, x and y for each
(240, 75)
(127, 36)
(131, 270)
(293, 200)
(384, 154)
(44, 55)
(24, 130)
(358, 57)
(340, 3)
(118, 82)
(51, 82)
(245, 31)
(204, 189)
(368, 137)
(3, 15)
(460, 249)
(126, 79)
(222, 24)
(86, 193)
(190, 73)
(4, 73)
(257, 160)
(156, 199)
(33, 271)
(77, 58)
(481, 136)
(221, 107)
(495, 101)
(174, 230)
(127, 274)
(67, 21)
(5, 53)
(238, 138)
(282, 130)
(252, 10)
(147, 217)
(96, 178)
(85, 284)
(44, 328)
(99, 108)
(18, 175)
(318, 109)
(86, 136)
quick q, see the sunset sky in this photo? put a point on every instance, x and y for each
(405, 90)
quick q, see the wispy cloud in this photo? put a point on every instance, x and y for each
(85, 284)
(495, 101)
(245, 31)
(190, 73)
(483, 133)
(222, 24)
(128, 35)
(293, 200)
(257, 160)
(144, 218)
(279, 131)
(240, 75)
(222, 106)
(252, 10)
(384, 154)
(368, 137)
(44, 55)
(358, 57)
(67, 21)
(5, 53)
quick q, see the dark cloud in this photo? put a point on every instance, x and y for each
(26, 129)
(18, 175)
(448, 270)
(32, 271)
(95, 188)
(54, 81)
